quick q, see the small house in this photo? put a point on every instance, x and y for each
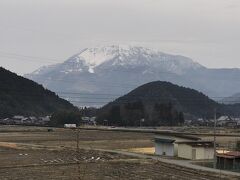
(70, 125)
(229, 160)
(88, 120)
(18, 119)
(164, 147)
(44, 120)
(196, 150)
(166, 142)
(5, 121)
(226, 121)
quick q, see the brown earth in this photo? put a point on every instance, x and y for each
(39, 154)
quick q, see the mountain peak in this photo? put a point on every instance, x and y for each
(119, 68)
(126, 55)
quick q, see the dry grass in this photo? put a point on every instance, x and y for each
(148, 150)
(38, 154)
(8, 145)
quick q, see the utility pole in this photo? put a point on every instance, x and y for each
(77, 141)
(214, 139)
(77, 154)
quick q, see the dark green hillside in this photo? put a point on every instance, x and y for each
(20, 96)
(159, 103)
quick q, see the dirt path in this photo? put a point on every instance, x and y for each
(180, 163)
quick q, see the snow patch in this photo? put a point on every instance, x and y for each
(125, 56)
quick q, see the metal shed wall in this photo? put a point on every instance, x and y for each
(164, 149)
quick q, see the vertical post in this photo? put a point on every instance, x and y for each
(214, 139)
(77, 154)
(234, 162)
(77, 141)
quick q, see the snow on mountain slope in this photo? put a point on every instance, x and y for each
(44, 69)
(118, 69)
(91, 58)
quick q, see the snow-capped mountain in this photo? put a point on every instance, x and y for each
(100, 71)
(91, 59)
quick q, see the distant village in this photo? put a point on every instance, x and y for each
(222, 121)
(22, 120)
(40, 121)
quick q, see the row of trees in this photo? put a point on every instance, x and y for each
(58, 119)
(136, 114)
(128, 114)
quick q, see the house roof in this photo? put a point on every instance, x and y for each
(162, 140)
(224, 118)
(179, 135)
(198, 143)
(230, 155)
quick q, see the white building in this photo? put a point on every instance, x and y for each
(18, 117)
(166, 143)
(70, 125)
(196, 150)
(223, 120)
(227, 121)
(164, 147)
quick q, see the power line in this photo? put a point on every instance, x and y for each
(81, 93)
(130, 97)
(109, 96)
(122, 98)
(106, 84)
(27, 60)
(95, 81)
(8, 54)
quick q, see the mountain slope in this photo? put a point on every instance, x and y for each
(152, 101)
(20, 96)
(96, 59)
(234, 99)
(119, 69)
(184, 99)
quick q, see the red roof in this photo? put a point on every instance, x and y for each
(230, 155)
(233, 153)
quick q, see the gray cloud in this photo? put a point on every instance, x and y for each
(207, 31)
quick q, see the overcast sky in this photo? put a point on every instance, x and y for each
(207, 31)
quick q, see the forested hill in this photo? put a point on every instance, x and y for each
(20, 96)
(160, 103)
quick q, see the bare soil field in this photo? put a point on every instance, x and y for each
(38, 154)
(118, 169)
(87, 138)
